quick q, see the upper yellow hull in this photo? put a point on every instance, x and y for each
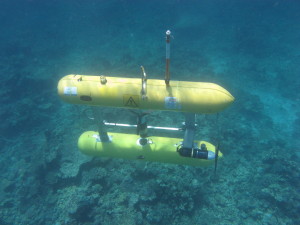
(184, 96)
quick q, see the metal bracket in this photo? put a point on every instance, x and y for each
(190, 129)
(144, 84)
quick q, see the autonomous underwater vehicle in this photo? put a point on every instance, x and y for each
(141, 94)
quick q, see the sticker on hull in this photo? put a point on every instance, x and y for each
(131, 101)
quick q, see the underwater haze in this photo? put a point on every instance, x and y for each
(249, 47)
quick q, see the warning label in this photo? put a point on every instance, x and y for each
(131, 101)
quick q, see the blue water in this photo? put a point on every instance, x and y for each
(251, 48)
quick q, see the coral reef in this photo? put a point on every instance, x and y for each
(251, 48)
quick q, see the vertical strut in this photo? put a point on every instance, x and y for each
(101, 126)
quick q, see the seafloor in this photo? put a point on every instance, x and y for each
(251, 48)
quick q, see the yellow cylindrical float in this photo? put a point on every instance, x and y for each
(183, 96)
(126, 146)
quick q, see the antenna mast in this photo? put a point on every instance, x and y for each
(167, 76)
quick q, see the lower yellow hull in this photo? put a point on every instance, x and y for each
(126, 146)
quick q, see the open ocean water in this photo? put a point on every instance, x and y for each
(249, 47)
